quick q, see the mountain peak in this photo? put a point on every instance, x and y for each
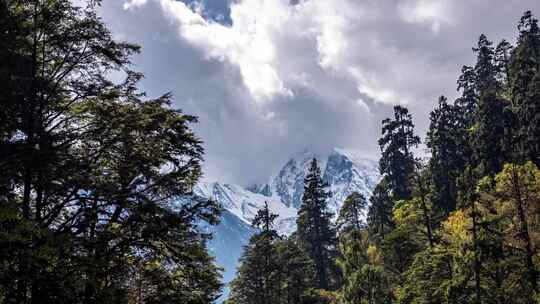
(344, 170)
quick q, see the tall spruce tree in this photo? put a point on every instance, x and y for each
(316, 233)
(297, 273)
(397, 161)
(489, 132)
(524, 66)
(447, 161)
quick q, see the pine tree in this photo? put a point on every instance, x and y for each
(297, 272)
(397, 161)
(264, 220)
(503, 53)
(489, 129)
(529, 113)
(379, 217)
(480, 175)
(513, 205)
(447, 161)
(315, 231)
(524, 64)
(351, 213)
(468, 102)
(258, 278)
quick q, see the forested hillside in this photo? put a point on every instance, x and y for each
(462, 226)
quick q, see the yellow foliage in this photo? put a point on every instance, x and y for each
(456, 228)
(374, 255)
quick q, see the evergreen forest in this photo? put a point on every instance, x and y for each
(97, 178)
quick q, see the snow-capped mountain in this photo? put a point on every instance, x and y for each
(344, 171)
(244, 203)
(347, 172)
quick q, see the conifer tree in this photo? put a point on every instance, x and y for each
(297, 273)
(397, 161)
(365, 280)
(447, 161)
(524, 66)
(316, 233)
(468, 102)
(482, 175)
(92, 168)
(512, 204)
(351, 214)
(379, 217)
(259, 274)
(503, 53)
(489, 130)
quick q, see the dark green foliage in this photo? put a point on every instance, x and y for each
(468, 102)
(482, 247)
(444, 140)
(351, 213)
(379, 218)
(259, 275)
(91, 170)
(316, 233)
(272, 269)
(264, 220)
(297, 272)
(397, 161)
(275, 270)
(489, 132)
(524, 65)
(463, 229)
(530, 114)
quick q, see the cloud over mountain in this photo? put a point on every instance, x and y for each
(270, 77)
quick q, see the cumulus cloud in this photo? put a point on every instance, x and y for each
(260, 26)
(247, 44)
(271, 77)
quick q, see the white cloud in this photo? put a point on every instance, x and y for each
(278, 77)
(262, 33)
(247, 44)
(432, 12)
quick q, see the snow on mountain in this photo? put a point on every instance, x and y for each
(288, 184)
(347, 172)
(244, 203)
(344, 171)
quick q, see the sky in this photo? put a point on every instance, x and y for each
(270, 78)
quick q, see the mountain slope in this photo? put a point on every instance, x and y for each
(344, 171)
